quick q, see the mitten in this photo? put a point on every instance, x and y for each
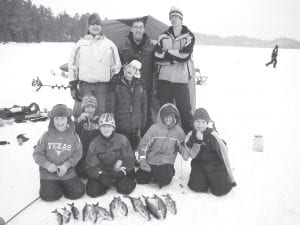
(185, 153)
(145, 166)
(74, 90)
(190, 141)
(61, 170)
(117, 174)
(105, 179)
(52, 168)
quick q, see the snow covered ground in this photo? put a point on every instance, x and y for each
(243, 97)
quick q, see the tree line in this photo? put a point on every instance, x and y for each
(22, 21)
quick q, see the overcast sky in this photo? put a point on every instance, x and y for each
(266, 19)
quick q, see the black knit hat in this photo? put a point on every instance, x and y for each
(202, 114)
(94, 19)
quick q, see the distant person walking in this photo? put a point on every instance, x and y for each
(94, 60)
(173, 56)
(273, 57)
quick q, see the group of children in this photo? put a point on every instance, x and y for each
(101, 148)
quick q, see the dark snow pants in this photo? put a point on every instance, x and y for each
(209, 174)
(161, 175)
(80, 168)
(52, 190)
(168, 92)
(125, 186)
(132, 137)
(274, 61)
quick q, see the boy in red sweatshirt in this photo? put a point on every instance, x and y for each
(57, 152)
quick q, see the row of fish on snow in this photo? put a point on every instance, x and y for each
(153, 207)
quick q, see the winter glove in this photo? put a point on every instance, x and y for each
(116, 175)
(190, 141)
(105, 179)
(74, 90)
(185, 153)
(61, 170)
(52, 168)
(145, 166)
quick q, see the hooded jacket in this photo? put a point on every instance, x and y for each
(58, 148)
(103, 154)
(173, 55)
(209, 148)
(160, 144)
(144, 52)
(94, 59)
(128, 103)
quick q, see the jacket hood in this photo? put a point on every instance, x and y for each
(165, 109)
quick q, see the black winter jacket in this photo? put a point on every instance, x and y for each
(128, 103)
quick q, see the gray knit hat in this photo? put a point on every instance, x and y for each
(60, 110)
(202, 114)
(176, 11)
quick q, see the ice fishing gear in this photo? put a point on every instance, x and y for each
(29, 204)
(38, 83)
(201, 80)
(19, 111)
(21, 139)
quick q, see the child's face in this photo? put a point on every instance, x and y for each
(60, 123)
(89, 109)
(130, 71)
(106, 130)
(169, 120)
(200, 125)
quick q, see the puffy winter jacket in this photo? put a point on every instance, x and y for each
(160, 144)
(103, 154)
(210, 148)
(128, 103)
(94, 59)
(144, 52)
(173, 55)
(58, 148)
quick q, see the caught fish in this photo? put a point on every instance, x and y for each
(74, 211)
(118, 207)
(66, 215)
(171, 204)
(156, 207)
(89, 213)
(139, 207)
(102, 213)
(59, 217)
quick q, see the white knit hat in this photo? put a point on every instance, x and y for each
(176, 11)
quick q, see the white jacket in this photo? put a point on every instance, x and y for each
(94, 59)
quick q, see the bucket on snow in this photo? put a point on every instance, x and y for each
(258, 143)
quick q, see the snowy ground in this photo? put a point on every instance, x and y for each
(242, 95)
